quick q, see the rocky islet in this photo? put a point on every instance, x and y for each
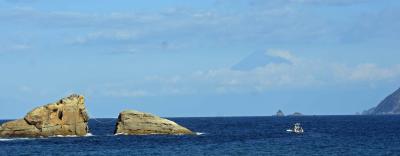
(69, 117)
(132, 122)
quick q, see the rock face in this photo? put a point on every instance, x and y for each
(131, 122)
(390, 105)
(65, 117)
(279, 113)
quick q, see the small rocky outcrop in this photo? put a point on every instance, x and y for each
(65, 117)
(279, 113)
(297, 114)
(131, 122)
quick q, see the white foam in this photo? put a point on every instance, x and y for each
(197, 133)
(41, 137)
(14, 139)
(63, 136)
(121, 134)
(139, 134)
(70, 136)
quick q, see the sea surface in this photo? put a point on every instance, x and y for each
(324, 135)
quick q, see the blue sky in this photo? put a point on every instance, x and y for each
(199, 58)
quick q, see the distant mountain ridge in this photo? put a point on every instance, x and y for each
(390, 105)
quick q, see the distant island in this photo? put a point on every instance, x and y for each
(280, 113)
(390, 105)
(297, 114)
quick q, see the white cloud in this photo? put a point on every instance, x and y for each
(25, 88)
(270, 76)
(202, 28)
(330, 2)
(283, 54)
(106, 36)
(184, 25)
(19, 47)
(14, 47)
(21, 1)
(126, 93)
(303, 73)
(367, 72)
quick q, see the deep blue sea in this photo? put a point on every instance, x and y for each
(324, 135)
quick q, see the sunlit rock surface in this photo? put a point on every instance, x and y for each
(67, 116)
(131, 122)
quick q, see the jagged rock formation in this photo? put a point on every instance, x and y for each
(65, 117)
(390, 105)
(279, 113)
(131, 122)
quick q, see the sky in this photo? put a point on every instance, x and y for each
(187, 58)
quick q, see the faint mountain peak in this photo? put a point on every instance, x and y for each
(259, 59)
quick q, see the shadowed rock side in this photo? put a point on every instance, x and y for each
(65, 117)
(131, 122)
(390, 105)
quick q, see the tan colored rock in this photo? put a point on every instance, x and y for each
(65, 117)
(131, 122)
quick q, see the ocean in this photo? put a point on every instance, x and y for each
(324, 135)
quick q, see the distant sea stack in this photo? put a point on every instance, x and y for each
(390, 105)
(65, 117)
(297, 114)
(131, 122)
(279, 113)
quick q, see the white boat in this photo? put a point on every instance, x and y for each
(296, 129)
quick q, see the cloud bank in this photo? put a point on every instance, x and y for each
(295, 73)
